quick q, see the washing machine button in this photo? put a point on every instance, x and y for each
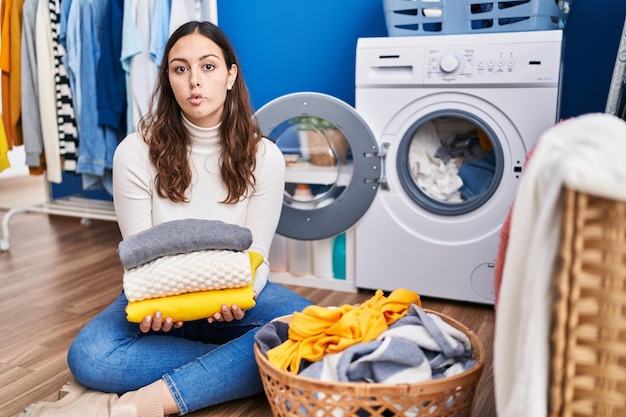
(449, 63)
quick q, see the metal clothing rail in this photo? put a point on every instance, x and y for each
(84, 208)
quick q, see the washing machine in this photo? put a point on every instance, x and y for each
(425, 167)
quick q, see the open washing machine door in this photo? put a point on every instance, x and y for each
(333, 164)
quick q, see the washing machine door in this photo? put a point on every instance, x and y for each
(333, 164)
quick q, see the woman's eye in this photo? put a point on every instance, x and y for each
(180, 69)
(209, 67)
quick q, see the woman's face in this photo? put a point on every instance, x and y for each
(200, 78)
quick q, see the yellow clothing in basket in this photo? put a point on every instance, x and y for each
(317, 330)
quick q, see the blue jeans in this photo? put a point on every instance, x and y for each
(202, 364)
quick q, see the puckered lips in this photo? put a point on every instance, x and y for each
(196, 99)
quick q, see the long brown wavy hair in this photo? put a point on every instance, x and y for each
(169, 142)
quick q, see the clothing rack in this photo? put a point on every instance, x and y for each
(63, 119)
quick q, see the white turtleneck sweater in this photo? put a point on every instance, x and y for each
(139, 207)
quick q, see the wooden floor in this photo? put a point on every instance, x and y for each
(22, 190)
(58, 274)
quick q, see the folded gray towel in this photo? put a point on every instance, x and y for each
(182, 236)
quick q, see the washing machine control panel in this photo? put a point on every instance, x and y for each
(493, 60)
(502, 64)
(455, 64)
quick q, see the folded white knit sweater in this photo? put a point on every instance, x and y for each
(202, 270)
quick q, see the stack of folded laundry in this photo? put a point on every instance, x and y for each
(187, 269)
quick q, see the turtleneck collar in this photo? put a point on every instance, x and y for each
(204, 136)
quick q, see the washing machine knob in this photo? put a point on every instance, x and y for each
(449, 63)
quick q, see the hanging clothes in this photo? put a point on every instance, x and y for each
(68, 132)
(131, 45)
(136, 60)
(111, 86)
(31, 122)
(4, 149)
(47, 91)
(4, 145)
(185, 10)
(5, 59)
(97, 144)
(14, 65)
(159, 30)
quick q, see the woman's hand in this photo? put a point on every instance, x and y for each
(229, 314)
(157, 323)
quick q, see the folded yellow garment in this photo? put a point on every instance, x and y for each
(191, 306)
(317, 330)
(195, 305)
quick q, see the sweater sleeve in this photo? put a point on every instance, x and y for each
(132, 186)
(265, 205)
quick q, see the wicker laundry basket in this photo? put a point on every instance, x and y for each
(293, 395)
(588, 358)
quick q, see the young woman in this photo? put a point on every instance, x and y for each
(197, 154)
